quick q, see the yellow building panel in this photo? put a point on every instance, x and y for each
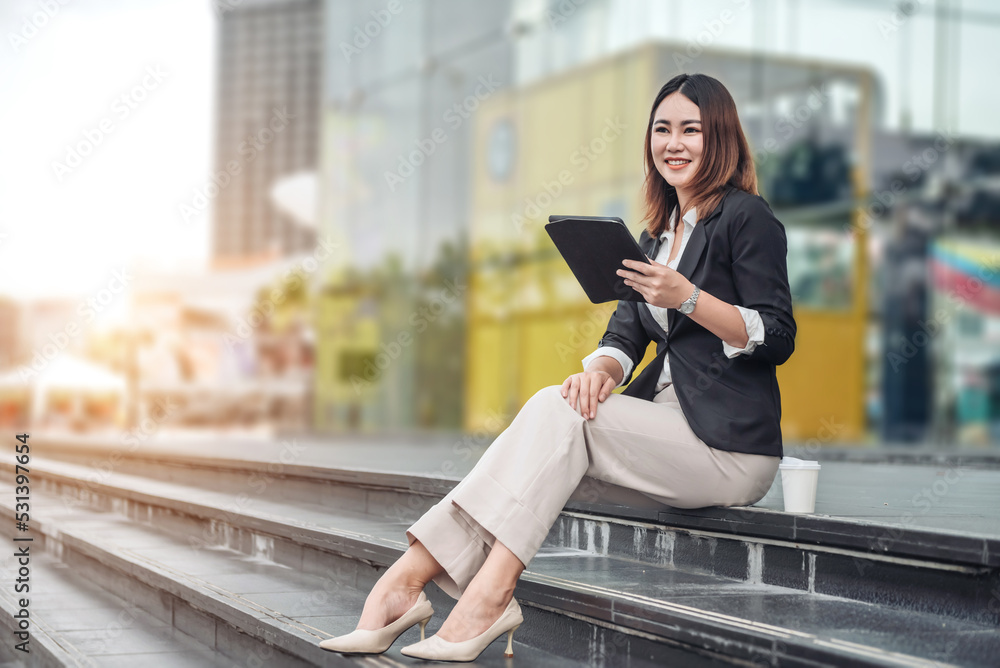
(820, 382)
(551, 127)
(490, 374)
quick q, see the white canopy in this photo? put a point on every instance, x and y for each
(64, 372)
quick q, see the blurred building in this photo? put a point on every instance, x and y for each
(267, 124)
(439, 173)
(401, 92)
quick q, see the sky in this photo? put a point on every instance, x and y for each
(144, 70)
(133, 80)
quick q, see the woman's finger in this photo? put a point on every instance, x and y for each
(584, 394)
(574, 387)
(596, 386)
(607, 389)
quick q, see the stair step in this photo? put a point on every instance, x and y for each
(75, 622)
(241, 518)
(611, 597)
(255, 611)
(410, 494)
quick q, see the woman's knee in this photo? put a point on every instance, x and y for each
(549, 393)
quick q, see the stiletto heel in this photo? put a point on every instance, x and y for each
(439, 649)
(364, 641)
(509, 652)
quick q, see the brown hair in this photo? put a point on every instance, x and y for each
(726, 157)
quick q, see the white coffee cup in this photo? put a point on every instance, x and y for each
(799, 479)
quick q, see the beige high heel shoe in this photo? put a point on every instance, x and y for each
(439, 649)
(364, 641)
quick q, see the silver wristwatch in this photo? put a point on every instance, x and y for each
(688, 305)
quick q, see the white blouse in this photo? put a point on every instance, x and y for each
(754, 325)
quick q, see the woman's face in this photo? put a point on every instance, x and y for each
(676, 140)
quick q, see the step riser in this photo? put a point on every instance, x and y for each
(242, 648)
(961, 593)
(593, 642)
(40, 654)
(551, 631)
(270, 483)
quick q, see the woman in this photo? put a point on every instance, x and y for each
(700, 428)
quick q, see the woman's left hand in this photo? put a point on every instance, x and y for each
(657, 283)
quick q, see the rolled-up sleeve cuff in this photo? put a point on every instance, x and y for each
(609, 351)
(755, 333)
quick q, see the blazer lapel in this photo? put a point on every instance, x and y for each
(693, 252)
(651, 247)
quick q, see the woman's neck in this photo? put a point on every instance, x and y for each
(683, 199)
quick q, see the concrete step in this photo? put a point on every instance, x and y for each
(409, 494)
(737, 617)
(73, 621)
(254, 611)
(746, 544)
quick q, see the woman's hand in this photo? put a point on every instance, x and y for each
(658, 284)
(591, 387)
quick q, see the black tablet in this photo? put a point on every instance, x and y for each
(594, 248)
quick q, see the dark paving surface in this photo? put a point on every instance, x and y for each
(323, 605)
(103, 626)
(286, 590)
(958, 497)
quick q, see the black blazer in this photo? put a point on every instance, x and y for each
(738, 255)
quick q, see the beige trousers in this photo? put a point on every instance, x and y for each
(634, 452)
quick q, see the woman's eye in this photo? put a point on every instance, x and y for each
(692, 130)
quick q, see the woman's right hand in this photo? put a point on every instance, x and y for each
(590, 387)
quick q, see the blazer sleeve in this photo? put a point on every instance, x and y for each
(626, 333)
(760, 275)
(625, 330)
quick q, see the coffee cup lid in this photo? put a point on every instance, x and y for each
(795, 463)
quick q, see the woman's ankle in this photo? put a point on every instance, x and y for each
(403, 579)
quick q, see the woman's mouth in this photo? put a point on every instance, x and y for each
(677, 163)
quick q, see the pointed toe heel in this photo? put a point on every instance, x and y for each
(364, 641)
(439, 649)
(509, 652)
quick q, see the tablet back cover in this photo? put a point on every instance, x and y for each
(594, 249)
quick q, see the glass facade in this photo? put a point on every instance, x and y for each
(446, 126)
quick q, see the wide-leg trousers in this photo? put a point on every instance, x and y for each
(635, 452)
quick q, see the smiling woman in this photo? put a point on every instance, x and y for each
(700, 431)
(693, 115)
